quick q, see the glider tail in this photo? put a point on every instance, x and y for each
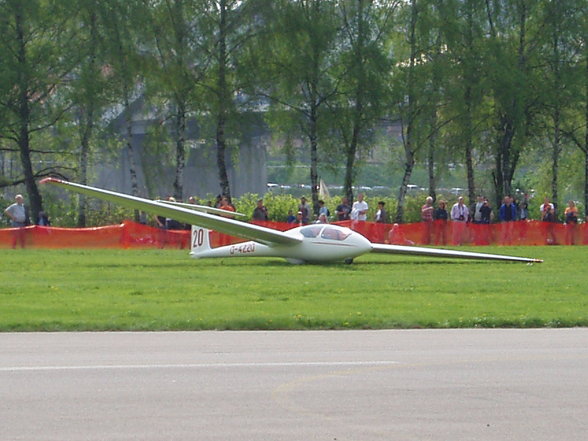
(200, 241)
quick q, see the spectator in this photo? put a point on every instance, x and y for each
(427, 212)
(524, 210)
(171, 224)
(549, 219)
(299, 219)
(440, 223)
(43, 220)
(17, 213)
(486, 213)
(381, 214)
(323, 209)
(460, 211)
(322, 219)
(304, 208)
(508, 210)
(224, 205)
(477, 217)
(359, 209)
(19, 218)
(260, 212)
(459, 216)
(343, 210)
(291, 218)
(544, 206)
(507, 213)
(571, 215)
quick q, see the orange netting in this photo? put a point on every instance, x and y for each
(132, 235)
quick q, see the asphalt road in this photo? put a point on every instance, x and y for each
(331, 386)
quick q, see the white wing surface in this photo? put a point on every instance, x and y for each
(435, 252)
(225, 225)
(203, 208)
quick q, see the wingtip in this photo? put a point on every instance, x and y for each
(50, 180)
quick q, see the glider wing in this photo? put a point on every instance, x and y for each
(224, 225)
(204, 208)
(434, 252)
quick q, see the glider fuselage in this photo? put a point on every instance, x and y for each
(318, 243)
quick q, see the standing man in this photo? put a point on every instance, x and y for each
(17, 212)
(343, 209)
(18, 219)
(260, 212)
(459, 217)
(427, 211)
(477, 218)
(304, 208)
(359, 209)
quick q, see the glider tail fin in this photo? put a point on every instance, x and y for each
(200, 241)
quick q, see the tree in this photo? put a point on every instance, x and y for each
(89, 91)
(302, 56)
(364, 76)
(124, 68)
(37, 57)
(227, 27)
(179, 68)
(511, 63)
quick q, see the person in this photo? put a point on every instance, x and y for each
(17, 213)
(322, 219)
(381, 214)
(507, 213)
(508, 210)
(524, 210)
(427, 212)
(544, 206)
(290, 218)
(260, 212)
(343, 210)
(19, 218)
(359, 209)
(549, 219)
(460, 211)
(440, 223)
(323, 209)
(299, 219)
(477, 217)
(485, 213)
(482, 232)
(571, 216)
(172, 224)
(304, 208)
(43, 220)
(396, 236)
(459, 216)
(224, 205)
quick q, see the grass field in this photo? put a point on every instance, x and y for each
(86, 290)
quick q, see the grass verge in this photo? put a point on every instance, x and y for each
(90, 290)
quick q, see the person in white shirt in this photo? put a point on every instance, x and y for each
(359, 209)
(543, 207)
(459, 216)
(460, 211)
(16, 212)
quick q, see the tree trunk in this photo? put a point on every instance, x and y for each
(180, 151)
(24, 115)
(313, 138)
(223, 98)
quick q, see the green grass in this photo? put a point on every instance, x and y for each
(84, 290)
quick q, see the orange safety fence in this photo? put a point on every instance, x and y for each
(133, 235)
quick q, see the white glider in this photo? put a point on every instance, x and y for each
(316, 243)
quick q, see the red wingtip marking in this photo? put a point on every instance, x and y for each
(46, 180)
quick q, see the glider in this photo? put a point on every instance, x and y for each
(315, 243)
